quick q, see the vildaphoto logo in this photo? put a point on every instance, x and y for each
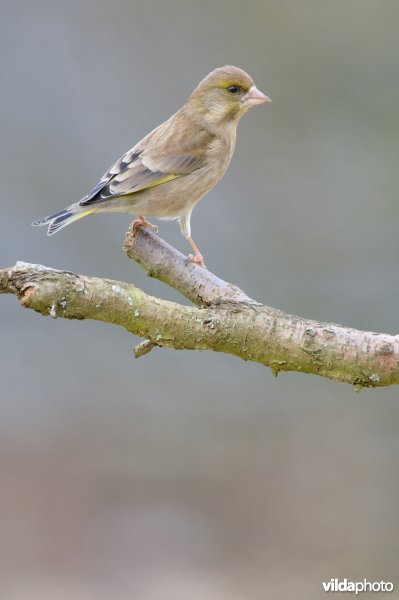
(357, 587)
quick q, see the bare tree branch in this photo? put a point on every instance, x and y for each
(226, 320)
(143, 348)
(162, 261)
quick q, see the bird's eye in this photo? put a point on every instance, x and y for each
(233, 89)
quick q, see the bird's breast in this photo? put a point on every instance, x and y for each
(219, 154)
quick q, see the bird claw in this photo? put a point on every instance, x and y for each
(197, 259)
(142, 222)
(153, 227)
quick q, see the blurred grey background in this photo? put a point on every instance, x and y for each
(194, 476)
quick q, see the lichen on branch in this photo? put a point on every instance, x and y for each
(224, 320)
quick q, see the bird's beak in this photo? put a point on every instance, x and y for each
(254, 96)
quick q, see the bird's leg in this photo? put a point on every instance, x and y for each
(197, 258)
(142, 222)
(185, 228)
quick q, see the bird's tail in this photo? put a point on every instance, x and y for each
(61, 219)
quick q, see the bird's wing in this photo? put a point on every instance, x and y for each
(140, 169)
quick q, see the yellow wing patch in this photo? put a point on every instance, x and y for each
(163, 180)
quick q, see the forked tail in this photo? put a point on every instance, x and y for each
(61, 219)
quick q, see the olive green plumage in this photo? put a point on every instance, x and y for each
(175, 165)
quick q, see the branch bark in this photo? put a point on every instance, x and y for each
(224, 320)
(160, 260)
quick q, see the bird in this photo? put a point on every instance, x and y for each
(175, 165)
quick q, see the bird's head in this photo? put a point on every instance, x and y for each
(226, 94)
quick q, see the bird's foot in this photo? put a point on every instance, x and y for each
(198, 259)
(142, 222)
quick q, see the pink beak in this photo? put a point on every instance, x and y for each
(254, 96)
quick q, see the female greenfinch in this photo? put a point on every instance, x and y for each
(175, 165)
